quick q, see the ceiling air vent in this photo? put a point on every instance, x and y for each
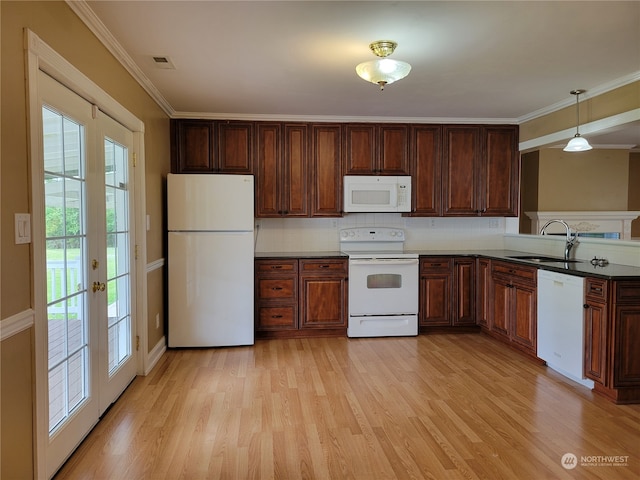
(163, 62)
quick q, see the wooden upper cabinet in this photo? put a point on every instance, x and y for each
(326, 170)
(295, 194)
(460, 170)
(393, 149)
(425, 170)
(268, 169)
(282, 170)
(376, 149)
(192, 146)
(207, 146)
(235, 147)
(480, 170)
(500, 171)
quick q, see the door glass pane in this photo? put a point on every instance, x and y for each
(64, 186)
(118, 255)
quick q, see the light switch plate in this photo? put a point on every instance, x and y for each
(23, 228)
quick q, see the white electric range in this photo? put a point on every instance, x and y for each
(383, 282)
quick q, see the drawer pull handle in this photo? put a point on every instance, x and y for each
(276, 288)
(597, 289)
(276, 266)
(323, 266)
(276, 316)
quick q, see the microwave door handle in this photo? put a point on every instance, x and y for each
(394, 195)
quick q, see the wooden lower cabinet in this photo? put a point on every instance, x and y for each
(300, 297)
(612, 336)
(323, 289)
(513, 315)
(447, 292)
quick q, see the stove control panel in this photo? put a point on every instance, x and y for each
(372, 234)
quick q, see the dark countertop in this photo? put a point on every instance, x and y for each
(324, 254)
(582, 268)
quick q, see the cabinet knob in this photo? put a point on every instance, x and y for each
(585, 306)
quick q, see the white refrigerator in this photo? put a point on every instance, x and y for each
(210, 260)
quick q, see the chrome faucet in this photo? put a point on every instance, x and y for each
(572, 238)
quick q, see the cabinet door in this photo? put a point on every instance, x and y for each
(360, 149)
(268, 170)
(460, 177)
(501, 311)
(295, 183)
(323, 303)
(425, 170)
(499, 172)
(464, 291)
(595, 335)
(435, 299)
(524, 308)
(626, 357)
(483, 292)
(192, 146)
(393, 150)
(326, 177)
(235, 147)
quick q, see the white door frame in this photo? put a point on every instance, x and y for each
(40, 56)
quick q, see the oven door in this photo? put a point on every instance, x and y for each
(387, 286)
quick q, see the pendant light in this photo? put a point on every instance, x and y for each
(577, 143)
(383, 71)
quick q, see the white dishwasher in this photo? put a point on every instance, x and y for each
(561, 324)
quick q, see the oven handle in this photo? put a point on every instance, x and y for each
(384, 261)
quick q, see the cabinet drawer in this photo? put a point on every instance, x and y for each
(277, 288)
(596, 288)
(277, 266)
(277, 317)
(323, 266)
(526, 274)
(627, 292)
(435, 264)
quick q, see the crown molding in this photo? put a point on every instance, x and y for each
(82, 9)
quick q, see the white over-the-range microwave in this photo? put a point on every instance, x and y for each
(368, 193)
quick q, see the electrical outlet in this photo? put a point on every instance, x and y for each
(494, 223)
(157, 320)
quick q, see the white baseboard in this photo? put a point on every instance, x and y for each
(156, 354)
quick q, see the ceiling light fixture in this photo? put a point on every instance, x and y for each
(577, 143)
(383, 71)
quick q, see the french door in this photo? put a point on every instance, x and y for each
(88, 205)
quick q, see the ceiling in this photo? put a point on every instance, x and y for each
(489, 62)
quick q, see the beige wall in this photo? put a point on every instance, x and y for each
(59, 27)
(593, 180)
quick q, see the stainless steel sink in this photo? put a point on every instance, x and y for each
(542, 259)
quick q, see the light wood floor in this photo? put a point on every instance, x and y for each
(436, 406)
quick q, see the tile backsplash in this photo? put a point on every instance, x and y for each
(322, 234)
(433, 233)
